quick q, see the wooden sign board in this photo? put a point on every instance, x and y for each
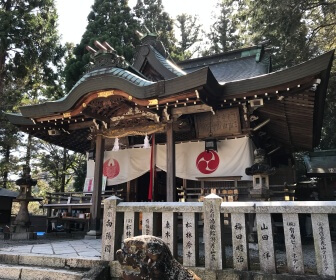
(225, 122)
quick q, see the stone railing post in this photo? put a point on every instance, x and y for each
(265, 243)
(169, 231)
(213, 250)
(112, 229)
(131, 224)
(293, 243)
(322, 244)
(190, 239)
(239, 242)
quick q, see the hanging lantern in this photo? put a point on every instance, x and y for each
(211, 145)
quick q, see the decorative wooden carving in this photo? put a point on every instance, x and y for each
(138, 130)
(224, 123)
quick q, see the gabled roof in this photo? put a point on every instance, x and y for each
(231, 66)
(152, 57)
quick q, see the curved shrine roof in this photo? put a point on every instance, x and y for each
(112, 98)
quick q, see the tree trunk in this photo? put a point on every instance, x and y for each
(28, 151)
(64, 169)
(5, 174)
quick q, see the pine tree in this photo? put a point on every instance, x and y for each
(110, 21)
(190, 32)
(154, 19)
(29, 52)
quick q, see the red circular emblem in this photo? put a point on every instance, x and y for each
(207, 162)
(111, 170)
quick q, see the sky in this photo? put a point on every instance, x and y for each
(73, 14)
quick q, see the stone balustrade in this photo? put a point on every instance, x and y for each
(121, 220)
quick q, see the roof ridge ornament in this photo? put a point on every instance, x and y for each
(105, 56)
(151, 39)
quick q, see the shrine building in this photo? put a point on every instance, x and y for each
(159, 131)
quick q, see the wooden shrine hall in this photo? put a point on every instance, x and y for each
(202, 119)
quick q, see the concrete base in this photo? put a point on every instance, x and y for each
(93, 234)
(261, 194)
(227, 274)
(23, 235)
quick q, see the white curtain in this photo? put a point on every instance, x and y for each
(234, 155)
(123, 165)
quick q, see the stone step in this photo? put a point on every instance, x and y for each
(8, 271)
(35, 267)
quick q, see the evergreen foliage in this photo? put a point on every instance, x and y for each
(60, 166)
(153, 19)
(29, 53)
(190, 31)
(224, 33)
(110, 21)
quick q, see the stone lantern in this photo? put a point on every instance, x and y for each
(21, 228)
(260, 171)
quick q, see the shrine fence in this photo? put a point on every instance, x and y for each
(121, 220)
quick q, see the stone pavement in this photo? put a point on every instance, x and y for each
(70, 248)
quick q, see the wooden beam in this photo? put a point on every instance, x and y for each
(88, 112)
(177, 112)
(171, 172)
(95, 229)
(80, 125)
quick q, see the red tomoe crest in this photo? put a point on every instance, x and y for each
(207, 162)
(111, 170)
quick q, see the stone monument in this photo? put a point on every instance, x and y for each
(21, 228)
(260, 171)
(148, 257)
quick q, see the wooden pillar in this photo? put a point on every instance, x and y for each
(171, 182)
(128, 191)
(153, 163)
(95, 229)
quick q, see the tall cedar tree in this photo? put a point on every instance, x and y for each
(223, 35)
(298, 31)
(281, 22)
(110, 21)
(190, 32)
(154, 19)
(29, 51)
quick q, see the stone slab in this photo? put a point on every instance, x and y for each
(213, 251)
(41, 261)
(169, 229)
(265, 243)
(293, 243)
(23, 235)
(109, 229)
(9, 258)
(147, 223)
(10, 272)
(190, 239)
(239, 242)
(131, 223)
(323, 246)
(31, 273)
